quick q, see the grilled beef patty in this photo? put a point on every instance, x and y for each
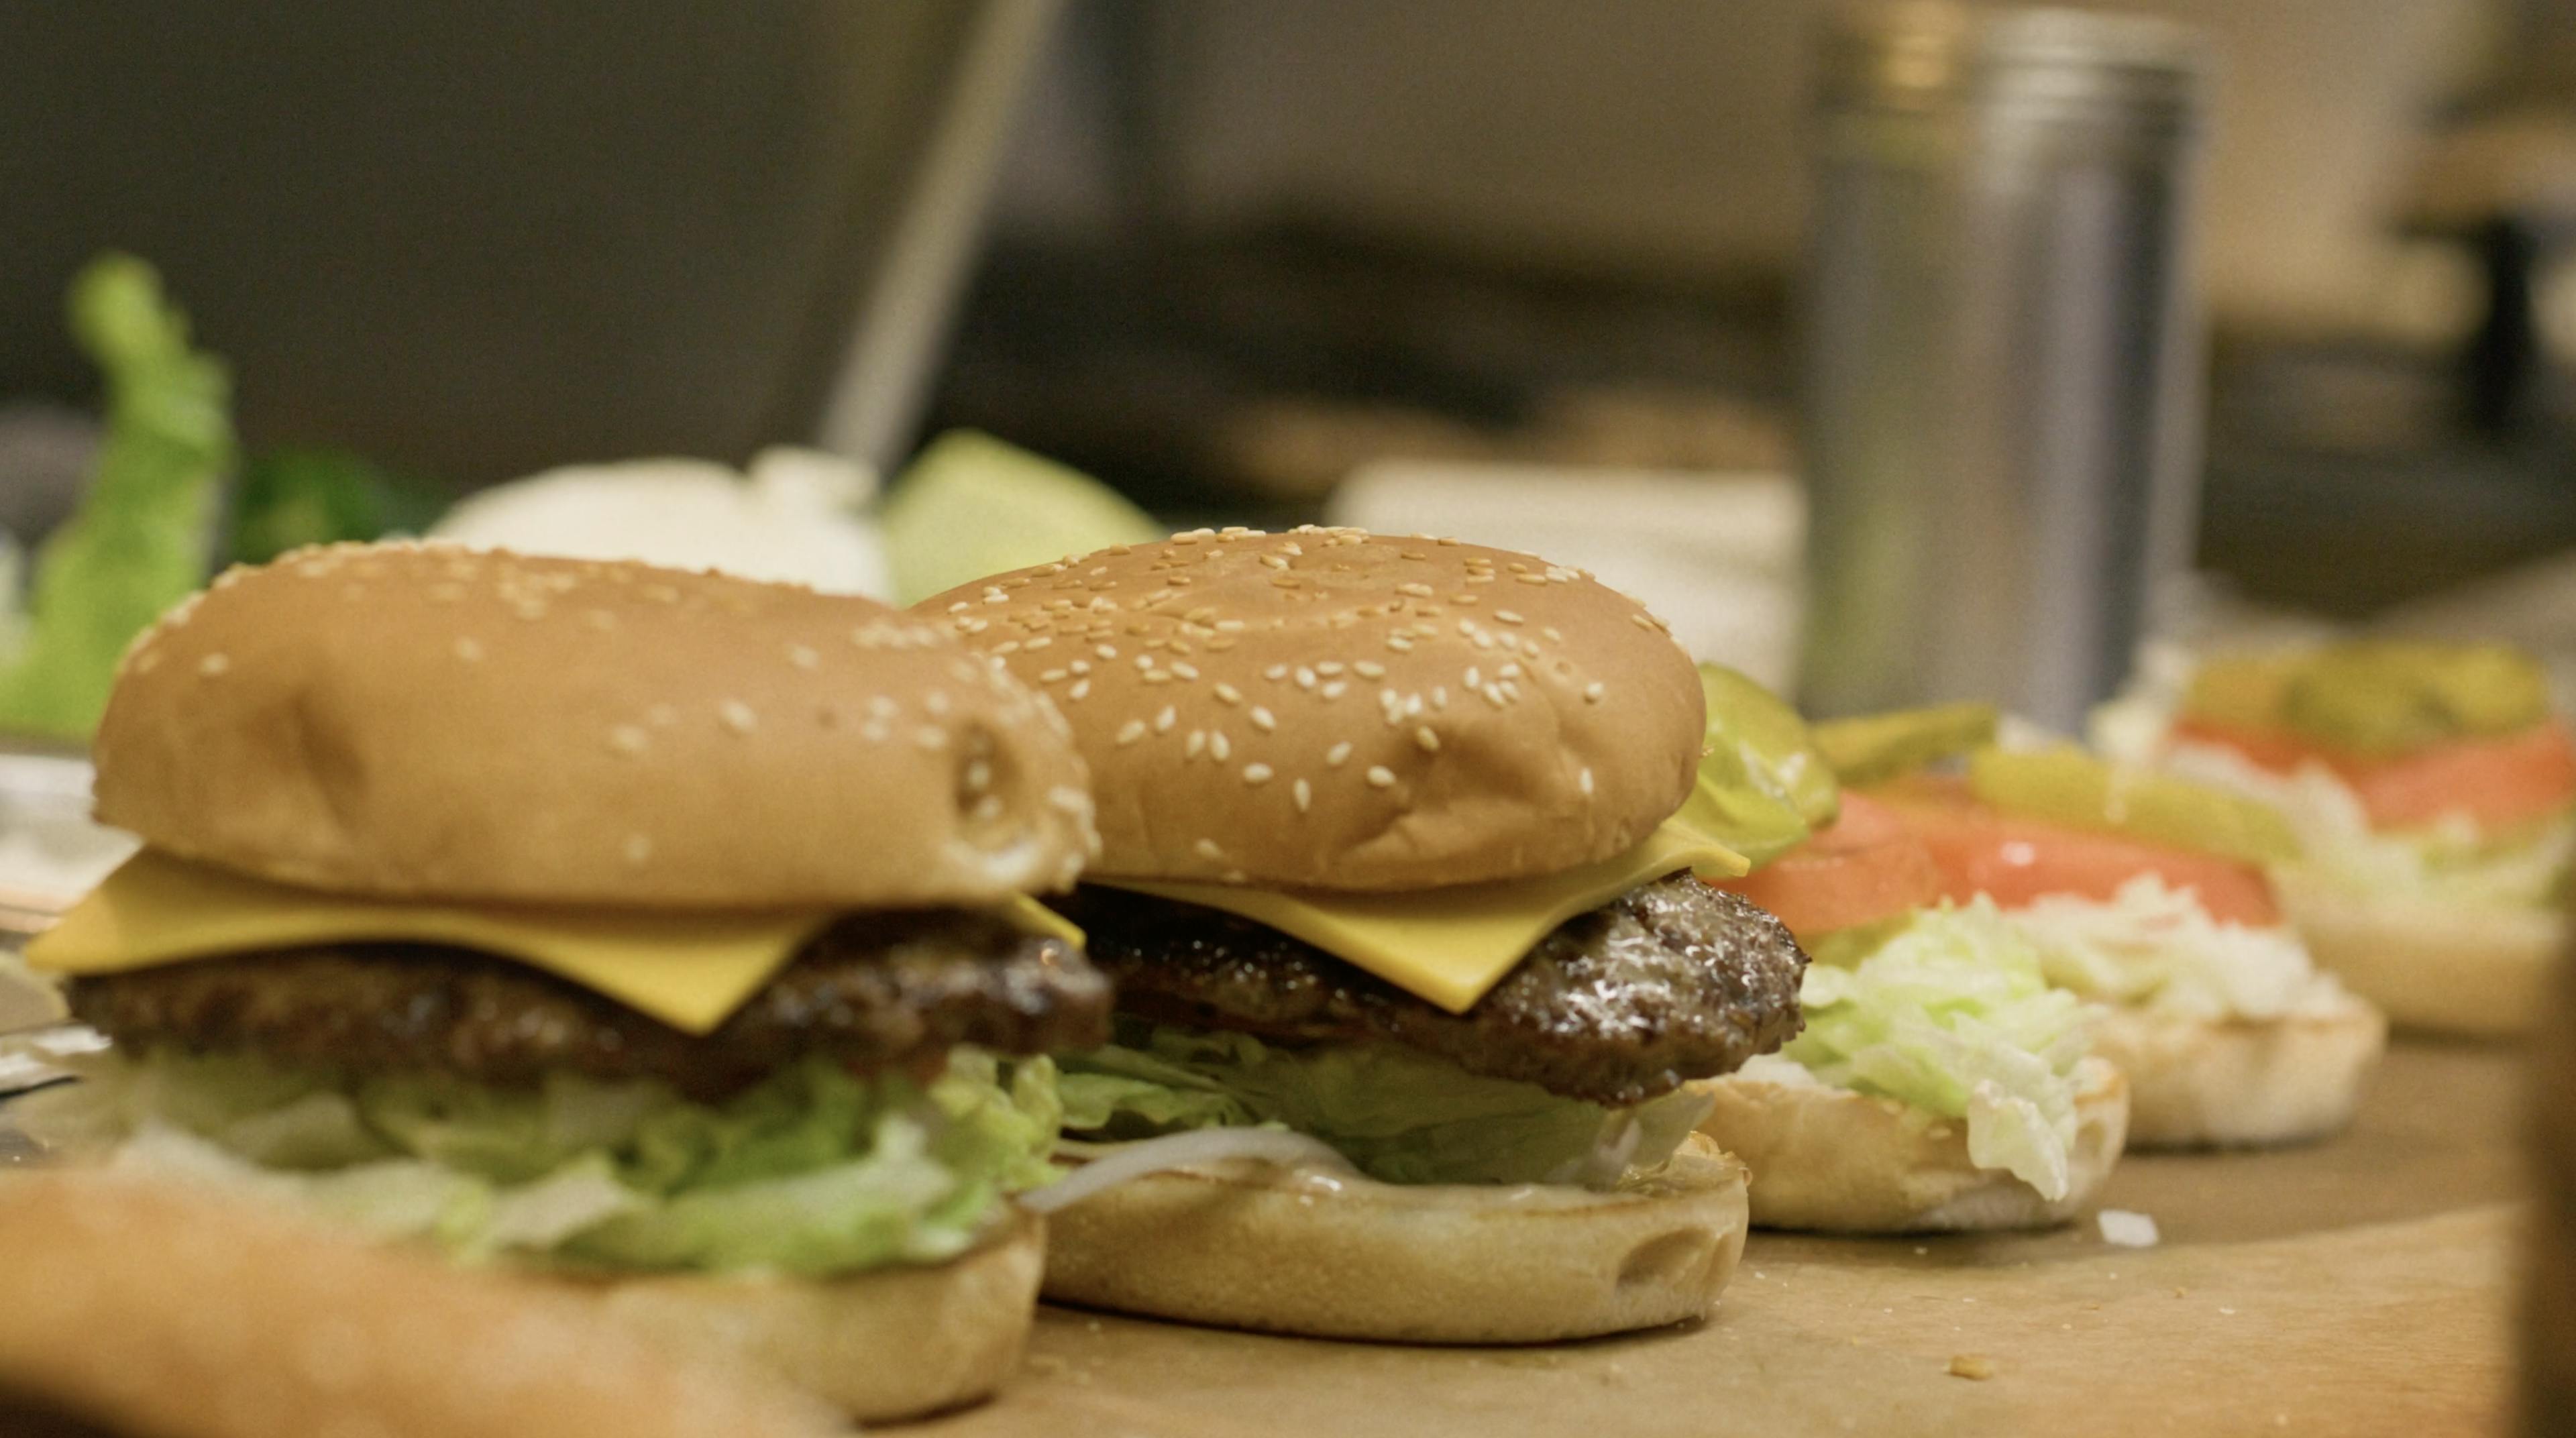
(1673, 980)
(873, 990)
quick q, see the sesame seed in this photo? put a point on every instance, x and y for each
(1511, 670)
(1164, 721)
(1399, 644)
(874, 731)
(1197, 743)
(1051, 676)
(1369, 669)
(1228, 693)
(1305, 677)
(466, 649)
(1336, 689)
(1508, 617)
(1334, 756)
(1184, 669)
(1592, 692)
(1275, 672)
(639, 848)
(959, 607)
(1130, 732)
(1380, 777)
(978, 776)
(1584, 781)
(1641, 621)
(629, 739)
(1105, 651)
(1493, 695)
(1081, 688)
(882, 707)
(1531, 578)
(1207, 849)
(1080, 666)
(1262, 720)
(930, 736)
(1219, 746)
(936, 701)
(737, 716)
(1256, 773)
(1329, 668)
(1418, 591)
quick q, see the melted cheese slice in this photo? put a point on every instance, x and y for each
(690, 970)
(1452, 945)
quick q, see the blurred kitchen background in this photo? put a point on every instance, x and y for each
(1228, 254)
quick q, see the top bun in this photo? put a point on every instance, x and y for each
(1329, 709)
(431, 722)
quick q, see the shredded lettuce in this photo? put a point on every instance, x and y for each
(1950, 1012)
(1398, 1115)
(144, 533)
(2156, 947)
(813, 1171)
(2450, 862)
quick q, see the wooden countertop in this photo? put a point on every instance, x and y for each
(2356, 1287)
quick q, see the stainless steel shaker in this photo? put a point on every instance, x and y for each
(2003, 355)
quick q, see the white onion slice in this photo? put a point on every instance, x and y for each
(1126, 1162)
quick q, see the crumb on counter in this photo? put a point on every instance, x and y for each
(2125, 1228)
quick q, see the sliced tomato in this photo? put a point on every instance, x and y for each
(1979, 850)
(2498, 783)
(1865, 866)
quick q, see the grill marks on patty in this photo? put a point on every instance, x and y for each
(876, 991)
(1673, 980)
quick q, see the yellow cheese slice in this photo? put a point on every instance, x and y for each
(1452, 945)
(690, 970)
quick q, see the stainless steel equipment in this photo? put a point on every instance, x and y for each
(2003, 355)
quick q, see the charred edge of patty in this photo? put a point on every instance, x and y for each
(1669, 982)
(875, 991)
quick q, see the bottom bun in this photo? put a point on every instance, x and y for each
(2198, 1083)
(1248, 1244)
(1836, 1161)
(2440, 967)
(155, 1306)
(891, 1343)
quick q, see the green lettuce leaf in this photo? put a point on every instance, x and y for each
(144, 533)
(1950, 1012)
(1399, 1115)
(813, 1171)
(1763, 787)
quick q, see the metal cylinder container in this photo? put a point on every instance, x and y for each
(2002, 380)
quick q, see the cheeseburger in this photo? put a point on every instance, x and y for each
(665, 933)
(1397, 884)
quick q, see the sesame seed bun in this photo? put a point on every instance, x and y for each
(1836, 1161)
(155, 1308)
(1248, 1244)
(415, 721)
(1330, 709)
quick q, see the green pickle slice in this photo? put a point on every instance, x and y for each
(1874, 748)
(1762, 788)
(2065, 785)
(2378, 697)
